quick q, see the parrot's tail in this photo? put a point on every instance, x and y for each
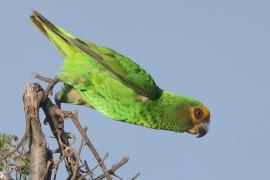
(56, 35)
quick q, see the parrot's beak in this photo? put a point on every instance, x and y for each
(200, 129)
(203, 128)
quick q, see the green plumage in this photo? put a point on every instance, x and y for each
(111, 83)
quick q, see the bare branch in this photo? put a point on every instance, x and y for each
(33, 96)
(104, 158)
(56, 166)
(135, 176)
(114, 168)
(74, 118)
(76, 169)
(56, 124)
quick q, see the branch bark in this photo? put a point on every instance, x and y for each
(32, 98)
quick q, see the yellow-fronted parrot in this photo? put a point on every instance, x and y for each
(109, 82)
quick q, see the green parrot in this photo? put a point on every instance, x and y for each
(107, 81)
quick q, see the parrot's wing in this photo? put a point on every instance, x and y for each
(119, 66)
(122, 68)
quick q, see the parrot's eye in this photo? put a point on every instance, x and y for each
(198, 113)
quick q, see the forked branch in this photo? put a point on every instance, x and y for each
(41, 160)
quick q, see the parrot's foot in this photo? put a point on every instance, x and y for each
(51, 83)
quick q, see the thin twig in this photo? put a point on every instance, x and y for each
(135, 176)
(76, 169)
(87, 171)
(56, 165)
(74, 118)
(81, 146)
(85, 175)
(90, 172)
(114, 168)
(104, 158)
(42, 78)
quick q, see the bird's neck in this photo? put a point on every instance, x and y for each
(160, 114)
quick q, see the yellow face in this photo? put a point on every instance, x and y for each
(200, 117)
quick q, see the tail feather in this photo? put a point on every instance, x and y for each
(55, 34)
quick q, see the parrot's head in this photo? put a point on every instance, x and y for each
(196, 116)
(200, 117)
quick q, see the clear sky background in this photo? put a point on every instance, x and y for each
(215, 51)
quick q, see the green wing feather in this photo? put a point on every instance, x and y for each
(119, 66)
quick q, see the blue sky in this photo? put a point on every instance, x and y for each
(215, 51)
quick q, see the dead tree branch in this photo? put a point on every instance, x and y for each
(41, 160)
(32, 98)
(56, 124)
